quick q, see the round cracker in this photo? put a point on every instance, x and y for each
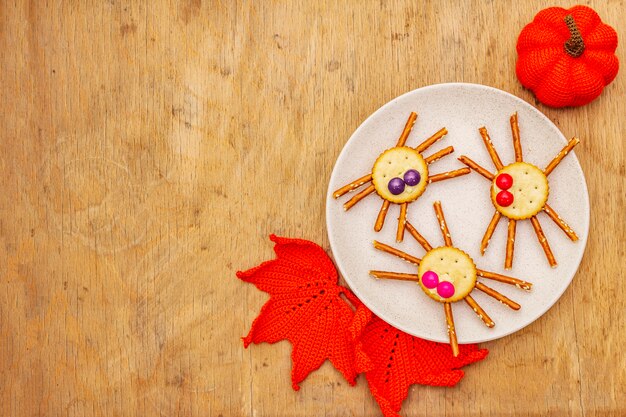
(452, 265)
(395, 162)
(530, 191)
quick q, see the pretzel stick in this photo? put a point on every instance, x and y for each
(396, 252)
(495, 294)
(482, 171)
(448, 175)
(380, 220)
(543, 241)
(439, 155)
(352, 186)
(489, 232)
(503, 278)
(442, 223)
(510, 245)
(401, 222)
(517, 144)
(559, 157)
(394, 275)
(358, 197)
(407, 129)
(434, 138)
(420, 239)
(559, 221)
(451, 332)
(492, 151)
(479, 311)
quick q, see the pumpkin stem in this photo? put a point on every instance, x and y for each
(574, 46)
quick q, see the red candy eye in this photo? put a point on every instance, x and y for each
(504, 198)
(504, 181)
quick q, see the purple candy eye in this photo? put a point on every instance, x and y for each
(396, 186)
(430, 279)
(412, 177)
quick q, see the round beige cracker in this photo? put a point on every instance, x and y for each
(395, 162)
(452, 265)
(530, 191)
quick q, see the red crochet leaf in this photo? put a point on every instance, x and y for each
(305, 308)
(398, 360)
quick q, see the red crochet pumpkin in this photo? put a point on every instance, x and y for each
(566, 57)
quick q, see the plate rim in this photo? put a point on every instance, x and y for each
(330, 200)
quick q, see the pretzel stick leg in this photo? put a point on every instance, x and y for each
(442, 223)
(473, 165)
(407, 129)
(431, 140)
(358, 197)
(352, 186)
(559, 157)
(394, 275)
(517, 144)
(492, 151)
(559, 221)
(440, 154)
(448, 175)
(420, 239)
(454, 344)
(503, 278)
(396, 252)
(401, 223)
(489, 232)
(380, 220)
(510, 244)
(495, 294)
(479, 311)
(543, 241)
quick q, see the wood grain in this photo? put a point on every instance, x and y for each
(148, 151)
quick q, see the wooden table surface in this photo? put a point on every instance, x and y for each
(148, 151)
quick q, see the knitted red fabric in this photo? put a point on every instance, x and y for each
(567, 57)
(399, 360)
(305, 308)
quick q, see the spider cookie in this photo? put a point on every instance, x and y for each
(448, 275)
(399, 176)
(519, 191)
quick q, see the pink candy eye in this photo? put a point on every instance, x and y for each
(430, 279)
(445, 289)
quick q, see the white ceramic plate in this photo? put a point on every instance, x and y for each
(462, 109)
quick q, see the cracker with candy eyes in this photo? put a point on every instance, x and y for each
(453, 267)
(400, 175)
(520, 191)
